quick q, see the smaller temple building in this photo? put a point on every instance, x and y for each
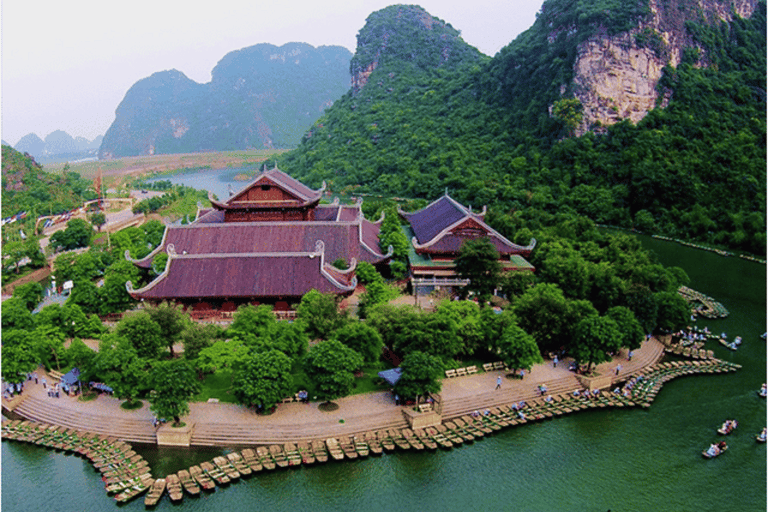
(437, 233)
(269, 243)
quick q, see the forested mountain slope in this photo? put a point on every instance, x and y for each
(427, 112)
(262, 96)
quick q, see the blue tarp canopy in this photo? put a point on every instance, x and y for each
(71, 377)
(391, 376)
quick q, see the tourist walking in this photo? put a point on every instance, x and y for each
(629, 356)
(498, 382)
(554, 361)
(618, 369)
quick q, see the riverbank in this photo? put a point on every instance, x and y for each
(126, 473)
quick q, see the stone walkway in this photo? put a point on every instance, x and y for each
(229, 424)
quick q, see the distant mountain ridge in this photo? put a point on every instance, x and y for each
(58, 145)
(261, 96)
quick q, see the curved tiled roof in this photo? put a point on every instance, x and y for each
(244, 275)
(343, 240)
(436, 227)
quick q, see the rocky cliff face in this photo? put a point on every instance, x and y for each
(262, 96)
(615, 77)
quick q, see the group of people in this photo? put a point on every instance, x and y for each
(716, 449)
(728, 427)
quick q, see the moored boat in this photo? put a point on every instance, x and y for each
(201, 478)
(320, 451)
(240, 465)
(173, 485)
(214, 472)
(760, 438)
(188, 483)
(155, 492)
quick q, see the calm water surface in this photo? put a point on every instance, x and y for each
(622, 460)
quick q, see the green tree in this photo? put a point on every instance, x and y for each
(399, 326)
(78, 233)
(376, 292)
(594, 338)
(174, 384)
(420, 375)
(632, 333)
(79, 355)
(222, 354)
(13, 253)
(674, 312)
(542, 311)
(367, 273)
(256, 320)
(114, 297)
(361, 338)
(478, 261)
(18, 356)
(568, 112)
(196, 337)
(290, 338)
(118, 365)
(31, 294)
(98, 219)
(465, 316)
(263, 379)
(48, 345)
(143, 333)
(15, 315)
(172, 321)
(517, 349)
(319, 313)
(331, 366)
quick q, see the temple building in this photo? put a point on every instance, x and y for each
(437, 233)
(269, 243)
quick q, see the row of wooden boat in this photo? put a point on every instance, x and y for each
(124, 472)
(127, 474)
(654, 377)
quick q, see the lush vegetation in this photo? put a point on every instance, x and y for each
(27, 187)
(481, 127)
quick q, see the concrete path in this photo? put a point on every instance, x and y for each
(229, 424)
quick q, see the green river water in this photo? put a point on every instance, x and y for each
(618, 460)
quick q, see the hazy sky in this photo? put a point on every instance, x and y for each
(67, 65)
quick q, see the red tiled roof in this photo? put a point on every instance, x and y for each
(342, 239)
(302, 195)
(245, 275)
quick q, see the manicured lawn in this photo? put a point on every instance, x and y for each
(217, 385)
(370, 381)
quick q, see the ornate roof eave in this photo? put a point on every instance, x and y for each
(217, 204)
(359, 221)
(136, 294)
(149, 256)
(492, 232)
(320, 251)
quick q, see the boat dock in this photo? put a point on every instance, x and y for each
(126, 475)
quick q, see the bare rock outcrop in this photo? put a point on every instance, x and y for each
(615, 78)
